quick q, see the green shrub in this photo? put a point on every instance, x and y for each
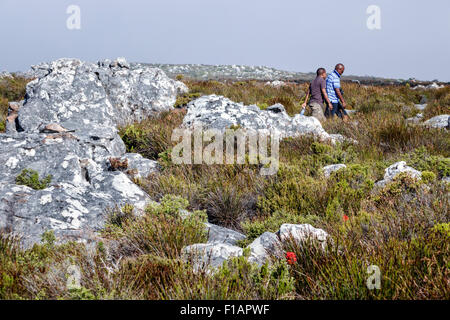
(30, 178)
(185, 98)
(163, 229)
(428, 176)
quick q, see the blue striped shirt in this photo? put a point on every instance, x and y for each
(333, 82)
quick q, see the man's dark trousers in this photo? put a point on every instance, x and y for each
(338, 110)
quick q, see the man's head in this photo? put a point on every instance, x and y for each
(321, 72)
(340, 68)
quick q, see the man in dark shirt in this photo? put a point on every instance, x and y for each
(318, 93)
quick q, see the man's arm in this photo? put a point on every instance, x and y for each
(325, 95)
(307, 97)
(338, 92)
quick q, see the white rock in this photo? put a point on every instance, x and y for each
(263, 247)
(327, 170)
(395, 169)
(439, 122)
(301, 233)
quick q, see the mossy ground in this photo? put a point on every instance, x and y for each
(402, 228)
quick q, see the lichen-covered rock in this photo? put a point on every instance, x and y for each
(80, 191)
(438, 122)
(217, 112)
(263, 247)
(94, 98)
(67, 129)
(327, 170)
(223, 235)
(207, 256)
(392, 171)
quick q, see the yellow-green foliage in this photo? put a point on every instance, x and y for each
(152, 136)
(30, 178)
(162, 230)
(185, 98)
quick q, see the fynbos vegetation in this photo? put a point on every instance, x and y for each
(401, 227)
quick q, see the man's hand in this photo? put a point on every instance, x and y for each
(344, 105)
(330, 105)
(304, 105)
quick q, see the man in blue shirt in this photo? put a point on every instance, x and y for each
(334, 92)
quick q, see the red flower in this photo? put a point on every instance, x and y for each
(345, 218)
(291, 257)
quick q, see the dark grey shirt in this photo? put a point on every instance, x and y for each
(316, 87)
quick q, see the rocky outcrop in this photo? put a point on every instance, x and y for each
(67, 129)
(217, 112)
(394, 170)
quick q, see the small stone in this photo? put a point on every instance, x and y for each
(327, 170)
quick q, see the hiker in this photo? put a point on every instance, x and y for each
(335, 94)
(317, 92)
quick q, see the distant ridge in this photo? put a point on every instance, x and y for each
(242, 72)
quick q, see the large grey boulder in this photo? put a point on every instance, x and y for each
(217, 112)
(392, 171)
(95, 98)
(438, 122)
(67, 128)
(81, 188)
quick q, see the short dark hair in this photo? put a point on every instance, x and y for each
(339, 65)
(320, 71)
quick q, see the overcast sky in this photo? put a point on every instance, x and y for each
(293, 35)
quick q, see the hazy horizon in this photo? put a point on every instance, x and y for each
(286, 35)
